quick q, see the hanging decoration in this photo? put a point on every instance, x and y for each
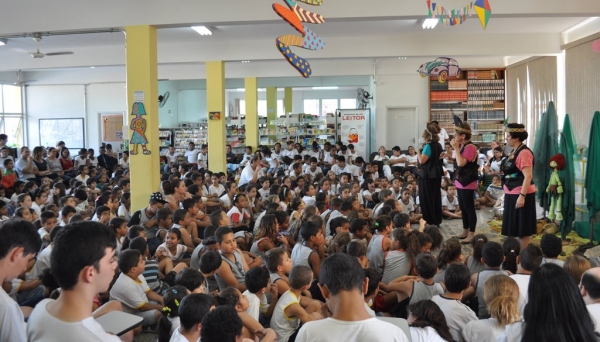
(458, 16)
(295, 16)
(442, 67)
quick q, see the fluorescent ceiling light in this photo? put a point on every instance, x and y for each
(92, 67)
(2, 41)
(202, 30)
(244, 89)
(245, 61)
(429, 23)
(402, 57)
(324, 88)
(580, 25)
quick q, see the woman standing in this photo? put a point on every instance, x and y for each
(430, 176)
(519, 217)
(466, 178)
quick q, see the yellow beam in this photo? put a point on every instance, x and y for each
(271, 105)
(142, 104)
(215, 96)
(288, 103)
(251, 111)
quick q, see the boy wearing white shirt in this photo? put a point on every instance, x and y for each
(82, 270)
(19, 244)
(313, 170)
(192, 310)
(203, 157)
(450, 208)
(258, 283)
(247, 156)
(341, 167)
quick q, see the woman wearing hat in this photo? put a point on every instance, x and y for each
(519, 200)
(430, 176)
(467, 175)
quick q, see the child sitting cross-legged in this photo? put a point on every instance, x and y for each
(132, 290)
(292, 308)
(258, 282)
(418, 288)
(279, 265)
(169, 321)
(172, 250)
(450, 208)
(251, 329)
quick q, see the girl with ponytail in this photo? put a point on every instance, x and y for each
(400, 260)
(169, 321)
(380, 243)
(473, 261)
(511, 248)
(501, 295)
(450, 252)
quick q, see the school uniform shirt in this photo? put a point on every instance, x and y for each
(283, 326)
(12, 323)
(82, 178)
(43, 232)
(42, 326)
(495, 191)
(312, 173)
(522, 281)
(124, 213)
(178, 253)
(339, 170)
(123, 163)
(315, 154)
(331, 329)
(42, 262)
(37, 208)
(483, 330)
(256, 305)
(178, 337)
(594, 310)
(245, 158)
(451, 205)
(80, 161)
(94, 162)
(398, 157)
(192, 156)
(264, 193)
(289, 153)
(409, 207)
(236, 216)
(457, 315)
(131, 293)
(216, 190)
(426, 334)
(334, 214)
(202, 160)
(309, 200)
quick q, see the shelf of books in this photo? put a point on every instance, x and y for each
(302, 128)
(476, 96)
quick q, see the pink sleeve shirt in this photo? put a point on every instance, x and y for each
(524, 159)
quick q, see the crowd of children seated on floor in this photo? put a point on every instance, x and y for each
(258, 250)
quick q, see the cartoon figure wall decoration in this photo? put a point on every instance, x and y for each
(442, 67)
(294, 16)
(458, 16)
(138, 126)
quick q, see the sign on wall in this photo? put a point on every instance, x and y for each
(354, 124)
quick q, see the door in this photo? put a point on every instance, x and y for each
(111, 130)
(401, 127)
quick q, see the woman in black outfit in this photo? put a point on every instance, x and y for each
(430, 176)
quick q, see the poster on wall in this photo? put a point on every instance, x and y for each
(354, 125)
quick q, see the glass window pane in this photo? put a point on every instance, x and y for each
(12, 99)
(328, 106)
(347, 103)
(280, 108)
(13, 128)
(311, 107)
(242, 107)
(1, 109)
(262, 108)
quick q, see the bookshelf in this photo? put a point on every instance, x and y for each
(302, 128)
(476, 96)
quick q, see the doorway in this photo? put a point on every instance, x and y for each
(402, 127)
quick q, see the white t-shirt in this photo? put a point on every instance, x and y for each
(42, 262)
(12, 323)
(202, 160)
(166, 252)
(443, 135)
(398, 157)
(408, 208)
(42, 326)
(216, 190)
(226, 201)
(192, 156)
(338, 170)
(457, 315)
(43, 232)
(123, 163)
(483, 330)
(427, 334)
(309, 200)
(172, 158)
(236, 216)
(512, 333)
(131, 293)
(256, 305)
(246, 176)
(522, 281)
(331, 329)
(411, 159)
(178, 337)
(451, 205)
(78, 161)
(311, 173)
(594, 310)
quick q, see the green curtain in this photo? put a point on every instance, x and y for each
(567, 176)
(592, 175)
(545, 146)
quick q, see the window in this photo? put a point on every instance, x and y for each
(347, 103)
(11, 114)
(262, 108)
(280, 109)
(312, 107)
(328, 106)
(242, 104)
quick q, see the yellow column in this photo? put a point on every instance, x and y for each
(251, 112)
(215, 96)
(271, 107)
(142, 104)
(288, 104)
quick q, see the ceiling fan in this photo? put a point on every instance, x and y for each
(38, 54)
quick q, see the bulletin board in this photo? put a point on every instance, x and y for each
(71, 131)
(112, 127)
